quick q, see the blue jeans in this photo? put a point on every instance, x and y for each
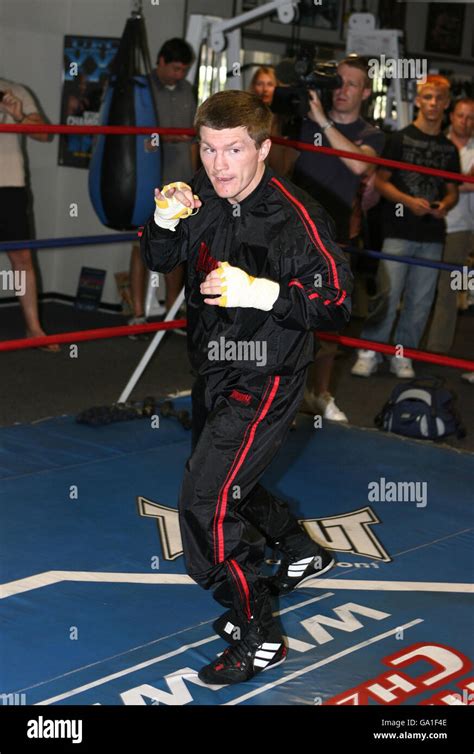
(418, 286)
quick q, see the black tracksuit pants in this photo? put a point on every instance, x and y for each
(226, 516)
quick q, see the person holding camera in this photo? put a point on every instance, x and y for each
(335, 181)
(413, 213)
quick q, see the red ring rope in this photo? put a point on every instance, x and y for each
(303, 146)
(112, 332)
(300, 145)
(98, 333)
(122, 330)
(409, 353)
(47, 128)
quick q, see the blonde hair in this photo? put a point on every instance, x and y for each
(234, 108)
(266, 70)
(433, 79)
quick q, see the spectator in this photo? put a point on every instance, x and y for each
(263, 83)
(18, 106)
(335, 181)
(459, 242)
(176, 105)
(281, 159)
(413, 218)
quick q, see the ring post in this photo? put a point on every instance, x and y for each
(142, 365)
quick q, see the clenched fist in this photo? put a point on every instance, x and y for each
(236, 288)
(174, 202)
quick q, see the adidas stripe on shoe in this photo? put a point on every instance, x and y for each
(293, 573)
(243, 661)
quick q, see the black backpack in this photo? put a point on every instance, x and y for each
(421, 408)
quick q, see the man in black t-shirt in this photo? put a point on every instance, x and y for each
(414, 226)
(334, 181)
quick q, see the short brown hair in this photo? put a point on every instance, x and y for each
(361, 64)
(462, 101)
(232, 109)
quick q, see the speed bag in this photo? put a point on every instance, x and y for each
(125, 169)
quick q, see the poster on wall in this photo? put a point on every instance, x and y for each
(445, 28)
(87, 63)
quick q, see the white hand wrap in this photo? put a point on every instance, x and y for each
(240, 289)
(169, 211)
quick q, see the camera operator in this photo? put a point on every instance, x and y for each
(334, 181)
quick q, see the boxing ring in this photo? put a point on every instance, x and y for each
(97, 606)
(96, 576)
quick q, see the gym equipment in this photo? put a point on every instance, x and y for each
(125, 169)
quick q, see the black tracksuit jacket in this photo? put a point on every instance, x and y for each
(243, 409)
(278, 232)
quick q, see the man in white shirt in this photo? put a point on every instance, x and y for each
(18, 106)
(459, 232)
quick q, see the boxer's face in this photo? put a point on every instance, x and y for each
(232, 161)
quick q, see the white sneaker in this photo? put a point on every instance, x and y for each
(325, 405)
(402, 367)
(469, 377)
(142, 335)
(367, 363)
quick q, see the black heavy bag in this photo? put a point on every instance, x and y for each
(125, 169)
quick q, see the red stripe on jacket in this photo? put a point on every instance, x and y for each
(313, 234)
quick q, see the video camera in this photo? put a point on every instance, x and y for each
(299, 77)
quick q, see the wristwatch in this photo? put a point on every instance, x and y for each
(327, 125)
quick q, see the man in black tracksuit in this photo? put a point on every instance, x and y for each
(263, 273)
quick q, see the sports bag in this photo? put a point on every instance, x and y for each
(421, 408)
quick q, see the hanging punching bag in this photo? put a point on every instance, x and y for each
(124, 170)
